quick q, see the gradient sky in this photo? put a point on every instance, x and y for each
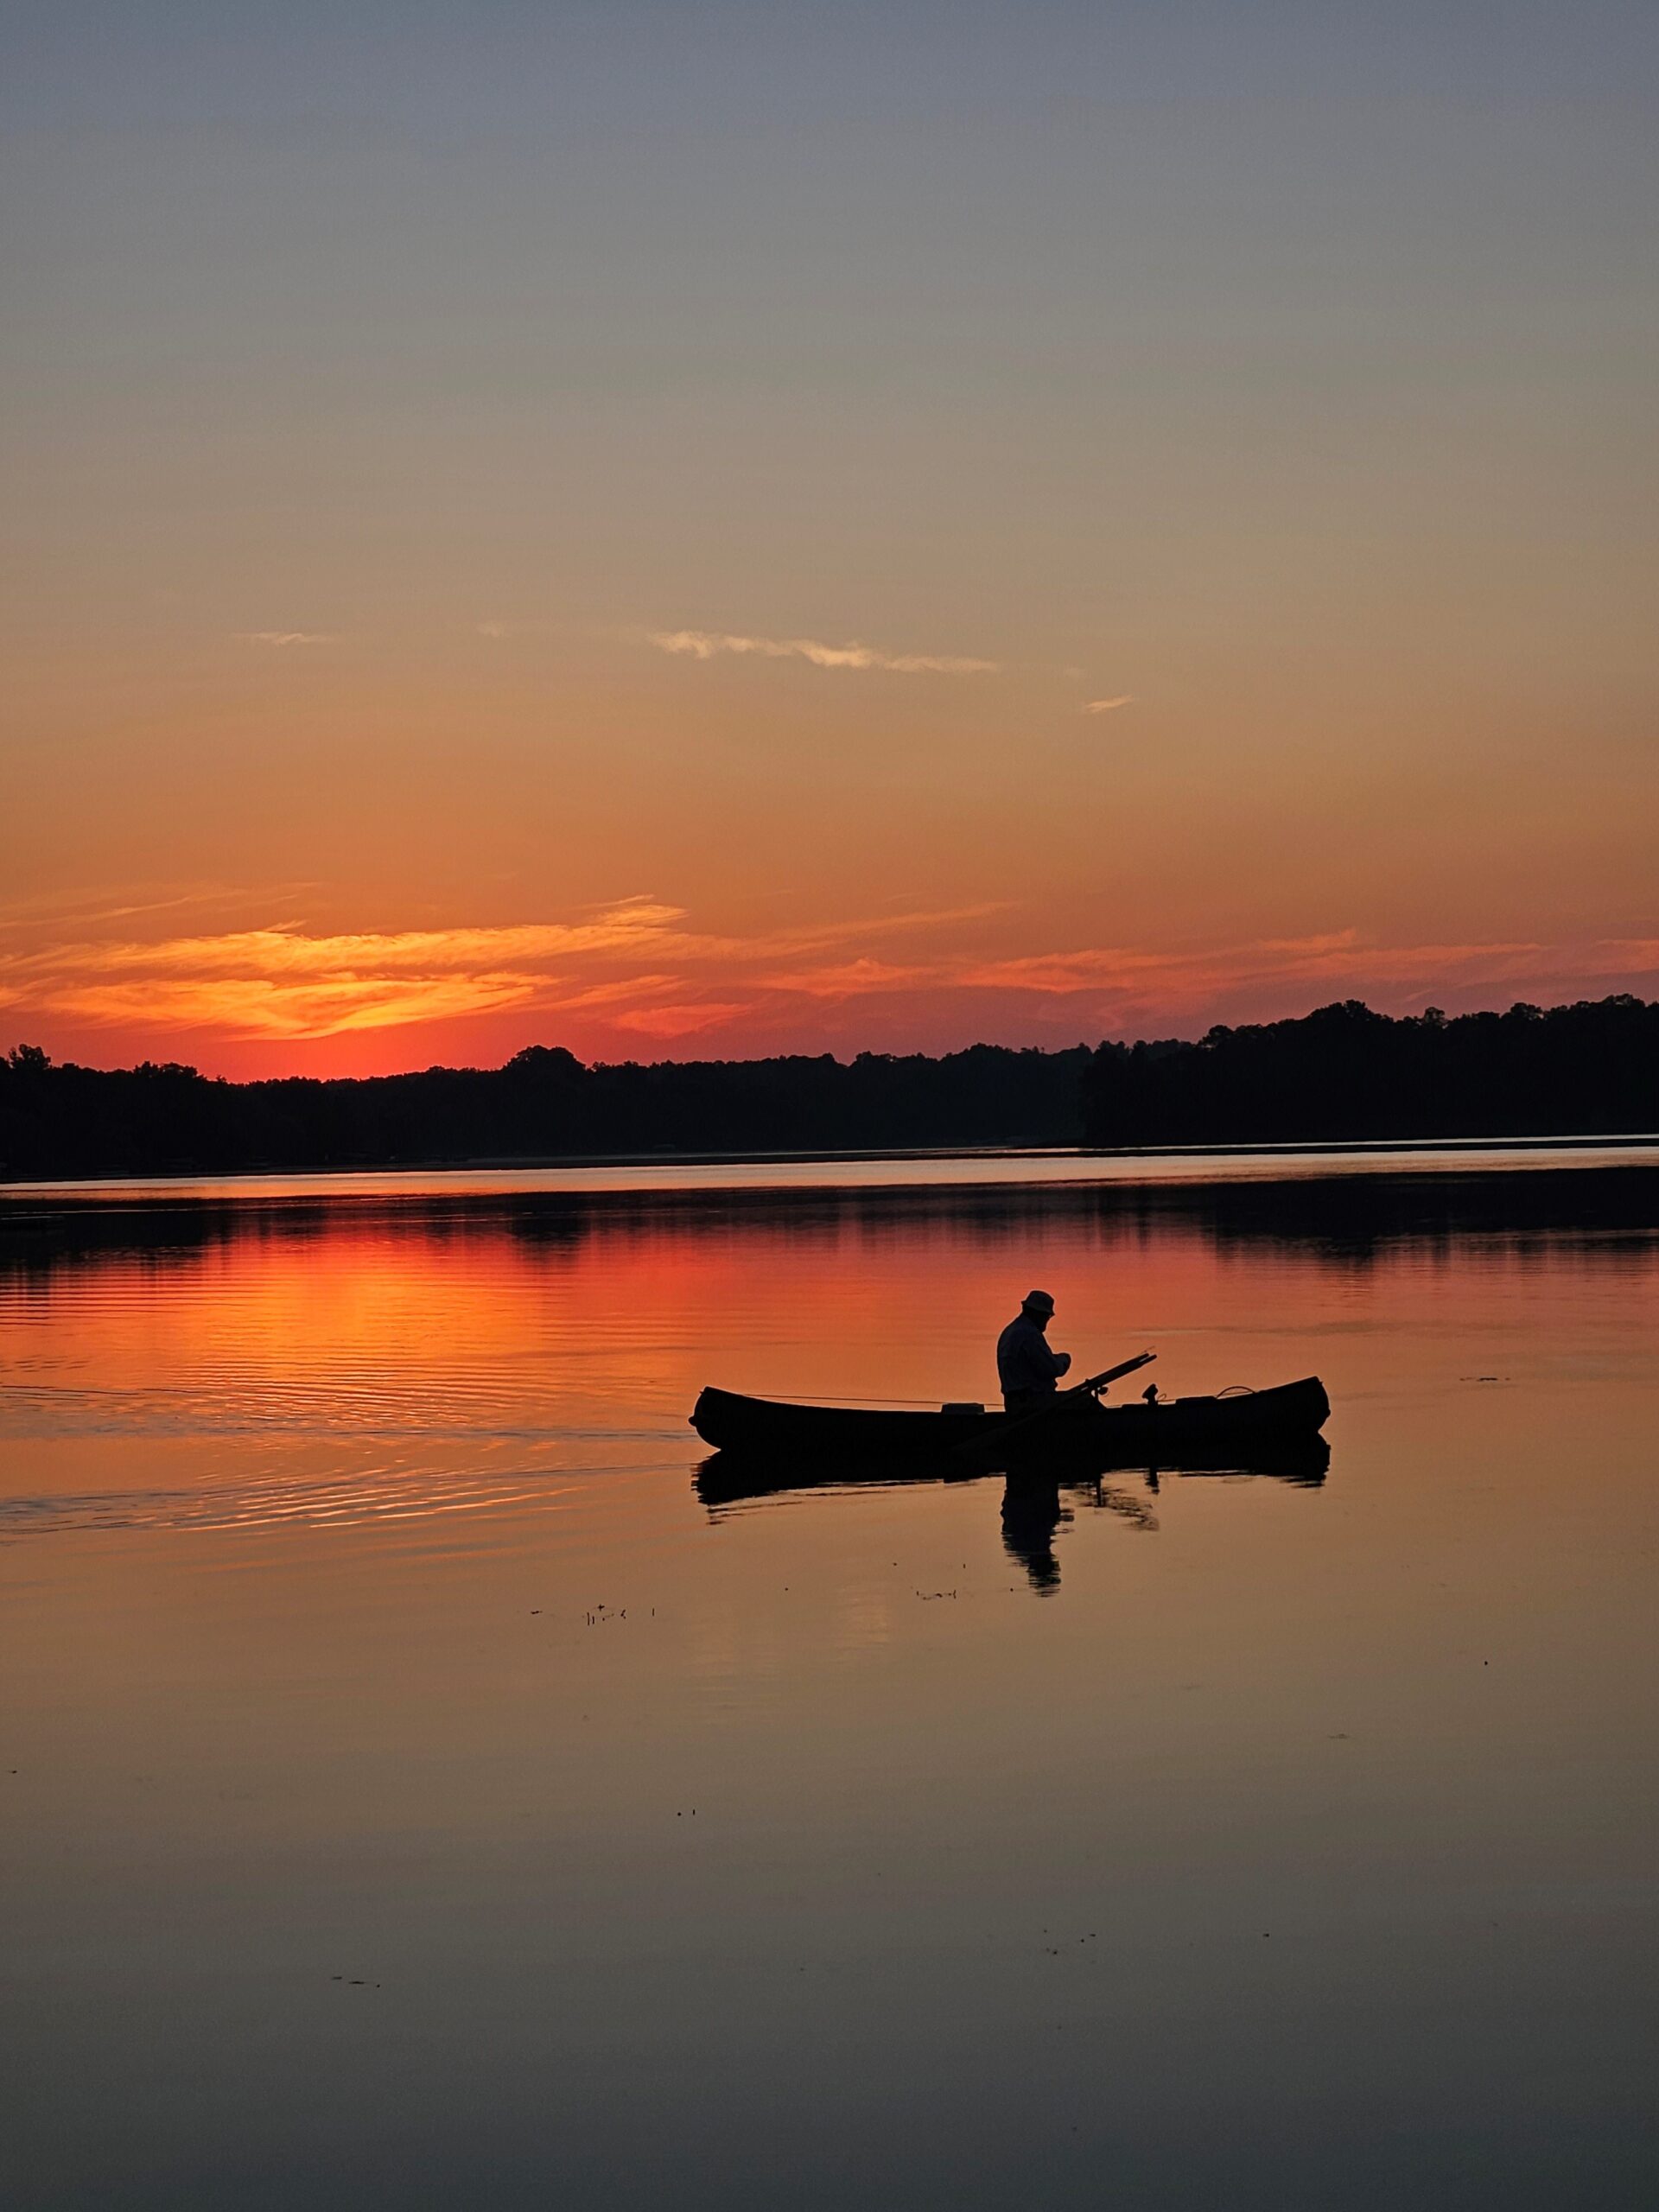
(704, 529)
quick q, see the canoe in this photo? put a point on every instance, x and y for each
(1078, 1428)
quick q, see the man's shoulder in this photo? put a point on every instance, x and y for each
(1016, 1341)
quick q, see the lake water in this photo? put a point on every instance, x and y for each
(412, 1793)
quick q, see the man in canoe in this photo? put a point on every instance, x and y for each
(1026, 1367)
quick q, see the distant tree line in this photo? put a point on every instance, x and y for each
(1346, 1073)
(1341, 1073)
(544, 1104)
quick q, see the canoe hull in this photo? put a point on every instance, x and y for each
(1078, 1429)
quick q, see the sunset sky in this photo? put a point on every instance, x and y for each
(688, 529)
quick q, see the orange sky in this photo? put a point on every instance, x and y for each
(690, 547)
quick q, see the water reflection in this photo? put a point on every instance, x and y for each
(1343, 1215)
(1034, 1505)
(428, 1777)
(1032, 1514)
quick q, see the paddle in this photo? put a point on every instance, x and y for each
(1090, 1387)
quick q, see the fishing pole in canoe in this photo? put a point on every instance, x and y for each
(1090, 1387)
(1094, 1383)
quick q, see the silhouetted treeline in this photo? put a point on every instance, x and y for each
(1346, 1073)
(1341, 1073)
(544, 1104)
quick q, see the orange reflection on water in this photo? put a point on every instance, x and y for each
(457, 1337)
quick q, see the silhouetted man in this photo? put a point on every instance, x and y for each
(1026, 1367)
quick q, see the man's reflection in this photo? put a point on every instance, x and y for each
(1031, 1513)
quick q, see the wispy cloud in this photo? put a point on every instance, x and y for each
(283, 638)
(853, 979)
(705, 644)
(683, 1020)
(1107, 706)
(284, 982)
(1189, 974)
(85, 907)
(1117, 987)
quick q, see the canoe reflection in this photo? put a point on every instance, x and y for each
(1034, 1505)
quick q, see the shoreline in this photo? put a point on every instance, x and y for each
(1046, 1165)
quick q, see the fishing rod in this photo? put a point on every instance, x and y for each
(1095, 1383)
(1090, 1387)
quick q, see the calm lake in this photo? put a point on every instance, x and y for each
(415, 1793)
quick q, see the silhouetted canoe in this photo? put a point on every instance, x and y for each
(1077, 1428)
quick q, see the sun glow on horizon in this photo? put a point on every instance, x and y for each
(638, 968)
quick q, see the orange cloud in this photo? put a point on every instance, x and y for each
(252, 1007)
(1185, 976)
(680, 1020)
(283, 982)
(852, 978)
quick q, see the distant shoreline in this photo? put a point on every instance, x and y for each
(182, 1180)
(1342, 1079)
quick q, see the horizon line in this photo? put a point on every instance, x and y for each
(26, 1052)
